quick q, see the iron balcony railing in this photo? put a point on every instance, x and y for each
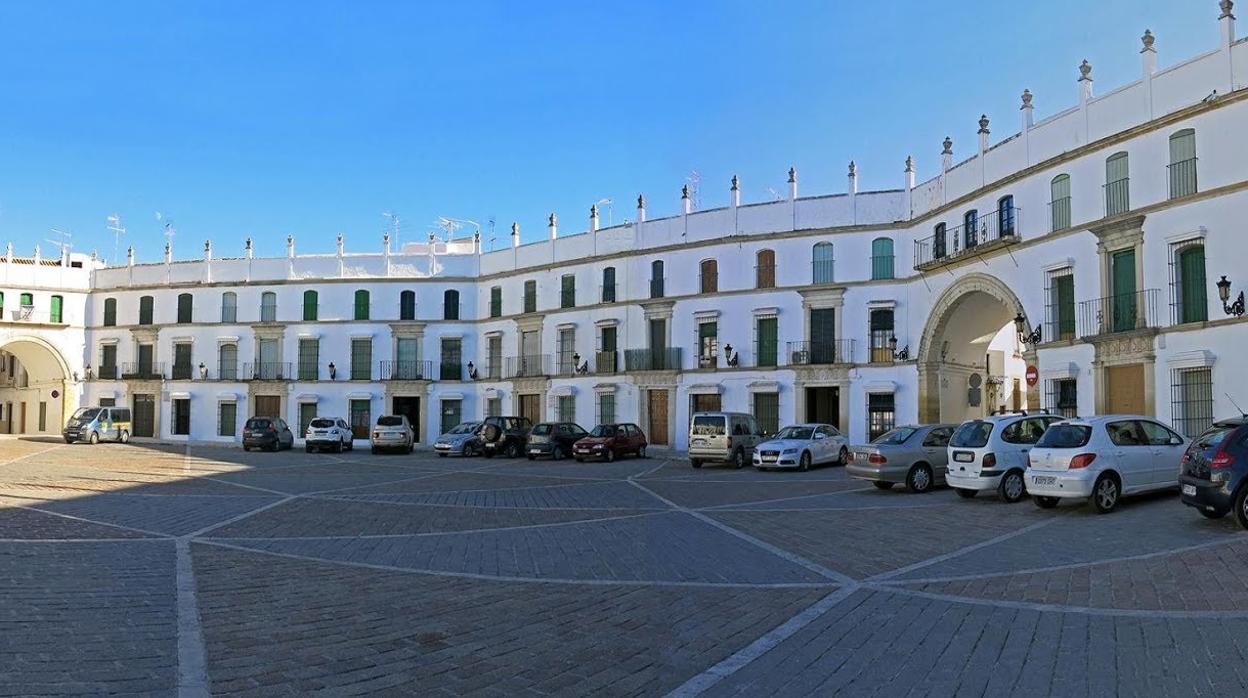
(764, 276)
(606, 362)
(493, 369)
(1123, 312)
(1182, 178)
(182, 372)
(836, 351)
(106, 372)
(881, 347)
(566, 365)
(658, 359)
(1059, 214)
(153, 370)
(708, 282)
(1117, 196)
(406, 370)
(988, 232)
(822, 271)
(268, 312)
(527, 366)
(267, 371)
(450, 371)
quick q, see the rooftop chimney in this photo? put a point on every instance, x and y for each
(340, 245)
(593, 218)
(476, 242)
(129, 254)
(553, 225)
(792, 184)
(641, 208)
(1227, 20)
(168, 253)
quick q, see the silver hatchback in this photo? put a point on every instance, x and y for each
(914, 455)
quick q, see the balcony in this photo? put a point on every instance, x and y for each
(493, 369)
(1124, 312)
(606, 292)
(408, 370)
(837, 351)
(28, 313)
(450, 371)
(1182, 178)
(527, 366)
(992, 231)
(658, 359)
(182, 372)
(106, 372)
(143, 370)
(1117, 196)
(267, 371)
(606, 362)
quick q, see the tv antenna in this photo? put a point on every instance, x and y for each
(694, 179)
(491, 222)
(610, 210)
(62, 243)
(394, 225)
(450, 225)
(114, 225)
(169, 230)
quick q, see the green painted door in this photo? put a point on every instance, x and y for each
(1064, 290)
(767, 341)
(1192, 303)
(1124, 306)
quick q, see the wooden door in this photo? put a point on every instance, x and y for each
(531, 407)
(269, 406)
(658, 417)
(1124, 389)
(144, 415)
(23, 419)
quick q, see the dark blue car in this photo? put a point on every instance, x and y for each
(1214, 477)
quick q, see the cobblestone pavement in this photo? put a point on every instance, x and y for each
(169, 570)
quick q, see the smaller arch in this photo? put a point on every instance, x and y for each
(450, 304)
(407, 305)
(361, 304)
(708, 276)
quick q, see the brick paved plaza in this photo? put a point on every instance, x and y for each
(163, 570)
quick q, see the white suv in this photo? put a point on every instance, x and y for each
(328, 432)
(991, 454)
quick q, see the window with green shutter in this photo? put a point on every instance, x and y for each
(407, 305)
(530, 296)
(1123, 303)
(1193, 306)
(185, 307)
(567, 291)
(766, 348)
(361, 359)
(1117, 184)
(1183, 163)
(145, 310)
(361, 305)
(110, 310)
(882, 258)
(496, 301)
(1062, 305)
(311, 307)
(1059, 202)
(767, 412)
(56, 309)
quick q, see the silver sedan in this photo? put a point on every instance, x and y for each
(801, 446)
(913, 455)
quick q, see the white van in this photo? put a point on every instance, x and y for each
(991, 454)
(723, 437)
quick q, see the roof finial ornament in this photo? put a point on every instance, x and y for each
(641, 201)
(909, 163)
(948, 146)
(684, 192)
(515, 229)
(1148, 40)
(1226, 6)
(593, 211)
(792, 175)
(1085, 71)
(247, 245)
(552, 219)
(983, 124)
(736, 183)
(1027, 97)
(853, 169)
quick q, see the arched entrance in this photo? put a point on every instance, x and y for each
(970, 360)
(37, 394)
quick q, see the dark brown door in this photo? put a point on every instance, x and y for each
(823, 406)
(1124, 389)
(268, 406)
(658, 417)
(144, 417)
(531, 407)
(23, 422)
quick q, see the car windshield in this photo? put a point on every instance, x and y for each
(895, 437)
(389, 421)
(1212, 438)
(321, 423)
(465, 428)
(708, 426)
(541, 429)
(1065, 436)
(87, 414)
(796, 433)
(972, 435)
(258, 424)
(603, 430)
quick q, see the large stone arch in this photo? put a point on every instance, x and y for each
(991, 303)
(48, 371)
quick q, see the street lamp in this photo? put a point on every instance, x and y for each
(1224, 292)
(902, 355)
(1020, 326)
(333, 371)
(203, 371)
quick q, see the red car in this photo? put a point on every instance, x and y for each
(607, 441)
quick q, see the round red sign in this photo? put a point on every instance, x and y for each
(56, 394)
(1033, 375)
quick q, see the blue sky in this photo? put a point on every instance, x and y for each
(237, 119)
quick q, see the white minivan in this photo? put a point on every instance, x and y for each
(991, 454)
(1102, 458)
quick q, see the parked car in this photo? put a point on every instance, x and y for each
(331, 433)
(267, 434)
(462, 440)
(1214, 471)
(610, 441)
(722, 437)
(991, 454)
(91, 424)
(1103, 458)
(504, 435)
(554, 439)
(915, 455)
(393, 432)
(801, 446)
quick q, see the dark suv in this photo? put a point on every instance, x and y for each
(504, 435)
(554, 439)
(1213, 474)
(267, 434)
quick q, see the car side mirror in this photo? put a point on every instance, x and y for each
(1176, 442)
(820, 437)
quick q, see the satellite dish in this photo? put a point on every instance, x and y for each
(975, 380)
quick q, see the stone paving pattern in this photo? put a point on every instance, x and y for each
(167, 570)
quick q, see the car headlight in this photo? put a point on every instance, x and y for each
(790, 451)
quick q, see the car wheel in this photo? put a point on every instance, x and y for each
(93, 439)
(68, 440)
(695, 463)
(803, 463)
(641, 452)
(738, 459)
(610, 455)
(919, 479)
(1013, 488)
(512, 451)
(246, 448)
(1215, 514)
(965, 494)
(556, 453)
(1105, 493)
(532, 457)
(307, 449)
(1241, 507)
(1045, 502)
(411, 447)
(125, 437)
(464, 452)
(351, 445)
(882, 485)
(842, 458)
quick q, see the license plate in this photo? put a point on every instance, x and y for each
(257, 433)
(1044, 479)
(963, 456)
(535, 450)
(699, 442)
(1189, 490)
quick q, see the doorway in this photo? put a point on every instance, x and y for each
(531, 407)
(268, 406)
(144, 415)
(1124, 389)
(23, 418)
(823, 405)
(657, 401)
(408, 406)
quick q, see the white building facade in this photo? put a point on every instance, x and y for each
(1072, 266)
